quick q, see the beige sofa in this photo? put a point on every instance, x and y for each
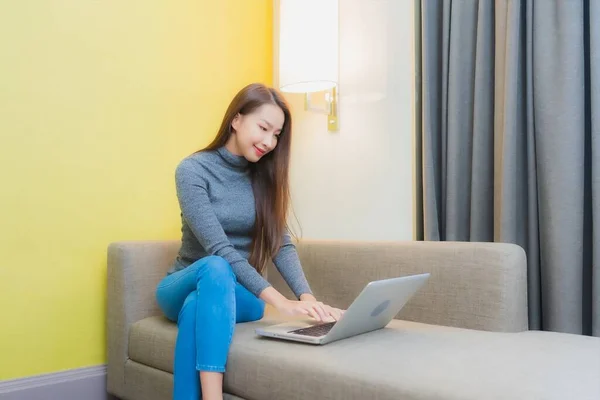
(463, 336)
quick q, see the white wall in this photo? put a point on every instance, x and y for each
(357, 183)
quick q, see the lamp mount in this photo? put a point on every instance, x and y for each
(330, 109)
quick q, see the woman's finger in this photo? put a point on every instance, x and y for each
(320, 311)
(338, 313)
(313, 313)
(320, 307)
(333, 312)
(302, 311)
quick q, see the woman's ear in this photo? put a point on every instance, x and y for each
(235, 123)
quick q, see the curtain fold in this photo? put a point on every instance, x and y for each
(592, 295)
(508, 116)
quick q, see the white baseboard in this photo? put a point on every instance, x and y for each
(82, 383)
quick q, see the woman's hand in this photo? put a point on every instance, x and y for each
(315, 309)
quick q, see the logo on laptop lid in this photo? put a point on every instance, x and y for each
(380, 308)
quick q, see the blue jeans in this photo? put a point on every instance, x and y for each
(206, 301)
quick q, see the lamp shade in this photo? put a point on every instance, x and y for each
(308, 45)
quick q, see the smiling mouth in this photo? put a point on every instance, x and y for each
(259, 151)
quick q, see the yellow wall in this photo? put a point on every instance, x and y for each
(98, 102)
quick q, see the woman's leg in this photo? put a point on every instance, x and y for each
(206, 301)
(186, 382)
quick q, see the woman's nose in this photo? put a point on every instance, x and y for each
(268, 142)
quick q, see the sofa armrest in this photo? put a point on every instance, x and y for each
(134, 270)
(472, 285)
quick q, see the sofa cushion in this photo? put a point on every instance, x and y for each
(147, 383)
(406, 360)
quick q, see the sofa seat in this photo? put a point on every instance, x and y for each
(406, 360)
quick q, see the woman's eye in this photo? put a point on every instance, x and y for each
(263, 128)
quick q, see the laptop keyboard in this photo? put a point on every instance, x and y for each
(315, 330)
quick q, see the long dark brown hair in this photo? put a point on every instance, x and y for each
(269, 175)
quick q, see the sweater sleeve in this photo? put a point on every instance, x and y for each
(288, 264)
(198, 212)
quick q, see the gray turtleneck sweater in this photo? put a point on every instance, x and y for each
(218, 214)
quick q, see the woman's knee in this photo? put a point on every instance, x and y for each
(216, 268)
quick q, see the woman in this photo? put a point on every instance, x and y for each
(234, 198)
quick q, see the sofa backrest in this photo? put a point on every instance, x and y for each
(472, 285)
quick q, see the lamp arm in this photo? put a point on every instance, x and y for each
(330, 109)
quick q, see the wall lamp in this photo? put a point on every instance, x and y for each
(308, 53)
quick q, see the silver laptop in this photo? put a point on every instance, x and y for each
(373, 309)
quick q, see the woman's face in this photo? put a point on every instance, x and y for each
(256, 134)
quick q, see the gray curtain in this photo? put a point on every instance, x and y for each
(508, 141)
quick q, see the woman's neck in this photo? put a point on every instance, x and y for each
(232, 146)
(232, 159)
